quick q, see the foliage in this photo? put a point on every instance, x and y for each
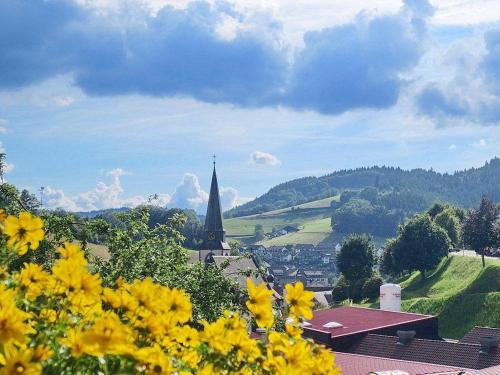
(355, 263)
(340, 291)
(410, 191)
(191, 230)
(420, 245)
(259, 233)
(361, 216)
(64, 321)
(355, 259)
(371, 287)
(449, 221)
(386, 261)
(480, 229)
(138, 251)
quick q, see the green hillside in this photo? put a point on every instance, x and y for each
(459, 291)
(312, 219)
(415, 189)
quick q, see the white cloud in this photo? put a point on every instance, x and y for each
(56, 198)
(8, 167)
(188, 194)
(63, 101)
(452, 147)
(480, 143)
(101, 197)
(263, 158)
(228, 198)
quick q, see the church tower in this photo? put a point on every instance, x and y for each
(215, 235)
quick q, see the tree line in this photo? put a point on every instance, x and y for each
(407, 190)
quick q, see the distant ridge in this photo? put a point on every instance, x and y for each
(463, 188)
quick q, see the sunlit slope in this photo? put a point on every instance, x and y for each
(460, 292)
(312, 219)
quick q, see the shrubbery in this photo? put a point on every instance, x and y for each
(62, 320)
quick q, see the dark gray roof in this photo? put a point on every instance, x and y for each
(473, 336)
(430, 351)
(238, 269)
(215, 236)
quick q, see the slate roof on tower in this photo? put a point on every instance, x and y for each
(215, 236)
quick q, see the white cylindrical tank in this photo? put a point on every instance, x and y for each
(390, 297)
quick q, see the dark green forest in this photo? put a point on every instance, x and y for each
(395, 189)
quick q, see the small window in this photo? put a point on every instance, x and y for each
(332, 325)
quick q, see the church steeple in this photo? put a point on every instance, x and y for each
(215, 236)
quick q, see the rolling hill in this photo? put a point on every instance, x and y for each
(460, 292)
(422, 187)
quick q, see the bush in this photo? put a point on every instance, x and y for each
(340, 291)
(63, 321)
(371, 287)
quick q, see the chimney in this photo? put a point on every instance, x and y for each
(404, 337)
(488, 343)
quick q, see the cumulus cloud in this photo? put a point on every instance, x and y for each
(480, 143)
(188, 194)
(8, 167)
(211, 52)
(473, 93)
(263, 158)
(358, 64)
(228, 198)
(103, 196)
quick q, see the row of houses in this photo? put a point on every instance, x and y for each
(314, 266)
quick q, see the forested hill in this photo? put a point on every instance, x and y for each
(418, 187)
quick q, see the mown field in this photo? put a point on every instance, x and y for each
(312, 219)
(460, 292)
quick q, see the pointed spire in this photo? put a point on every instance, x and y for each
(215, 236)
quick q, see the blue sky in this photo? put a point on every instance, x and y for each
(106, 102)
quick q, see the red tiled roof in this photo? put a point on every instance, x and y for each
(360, 319)
(488, 371)
(431, 351)
(354, 364)
(473, 336)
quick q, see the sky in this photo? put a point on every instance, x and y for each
(106, 103)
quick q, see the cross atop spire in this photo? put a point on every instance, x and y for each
(214, 156)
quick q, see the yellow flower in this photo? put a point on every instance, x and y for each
(74, 341)
(155, 359)
(12, 324)
(259, 295)
(24, 232)
(49, 315)
(108, 336)
(3, 215)
(263, 315)
(260, 304)
(293, 330)
(18, 361)
(73, 253)
(176, 303)
(33, 279)
(187, 336)
(299, 301)
(42, 353)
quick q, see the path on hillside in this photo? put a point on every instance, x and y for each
(471, 253)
